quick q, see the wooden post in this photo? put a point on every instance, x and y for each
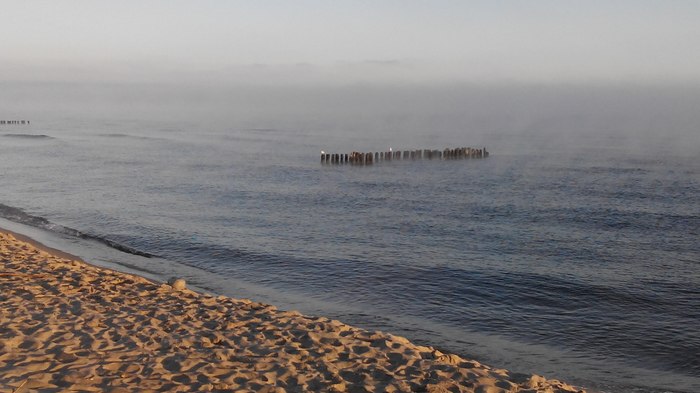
(369, 158)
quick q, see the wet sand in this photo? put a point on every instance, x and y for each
(66, 325)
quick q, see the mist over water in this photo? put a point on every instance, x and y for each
(571, 251)
(639, 118)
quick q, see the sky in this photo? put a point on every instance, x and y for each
(305, 41)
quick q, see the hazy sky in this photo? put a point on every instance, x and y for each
(307, 40)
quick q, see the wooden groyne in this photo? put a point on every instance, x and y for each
(360, 158)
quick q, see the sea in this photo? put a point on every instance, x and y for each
(572, 251)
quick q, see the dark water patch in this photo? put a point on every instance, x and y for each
(18, 215)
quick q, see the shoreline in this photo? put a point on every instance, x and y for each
(66, 255)
(68, 324)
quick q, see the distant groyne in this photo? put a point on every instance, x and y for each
(360, 158)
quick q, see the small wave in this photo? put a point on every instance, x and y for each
(115, 135)
(615, 170)
(120, 135)
(265, 130)
(29, 136)
(20, 216)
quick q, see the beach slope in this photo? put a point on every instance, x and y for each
(66, 325)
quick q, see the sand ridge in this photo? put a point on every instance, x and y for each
(69, 326)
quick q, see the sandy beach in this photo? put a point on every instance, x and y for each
(66, 325)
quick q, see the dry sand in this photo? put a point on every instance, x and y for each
(69, 326)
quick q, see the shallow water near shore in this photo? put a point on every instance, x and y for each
(576, 260)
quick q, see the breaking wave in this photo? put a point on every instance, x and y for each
(29, 136)
(20, 216)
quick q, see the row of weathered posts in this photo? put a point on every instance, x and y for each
(359, 158)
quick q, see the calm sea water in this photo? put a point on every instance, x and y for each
(573, 257)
